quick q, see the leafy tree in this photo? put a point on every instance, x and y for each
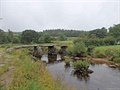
(3, 37)
(9, 35)
(45, 38)
(29, 36)
(84, 34)
(16, 40)
(115, 31)
(100, 33)
(62, 37)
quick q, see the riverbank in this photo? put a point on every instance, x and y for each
(23, 73)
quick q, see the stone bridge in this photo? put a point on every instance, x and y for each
(52, 51)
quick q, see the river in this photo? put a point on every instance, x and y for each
(103, 78)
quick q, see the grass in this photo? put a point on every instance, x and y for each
(4, 68)
(104, 48)
(28, 75)
(110, 52)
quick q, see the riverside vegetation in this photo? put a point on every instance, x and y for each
(29, 75)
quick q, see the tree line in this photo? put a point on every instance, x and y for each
(101, 35)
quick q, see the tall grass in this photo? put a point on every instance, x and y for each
(30, 75)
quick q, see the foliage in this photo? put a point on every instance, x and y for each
(45, 38)
(109, 52)
(16, 40)
(100, 33)
(62, 37)
(80, 63)
(115, 30)
(67, 33)
(3, 37)
(112, 54)
(67, 60)
(109, 41)
(29, 36)
(69, 50)
(10, 35)
(79, 49)
(90, 49)
(98, 54)
(96, 41)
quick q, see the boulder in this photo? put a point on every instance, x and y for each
(113, 66)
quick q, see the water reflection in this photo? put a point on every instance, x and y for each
(67, 67)
(52, 58)
(80, 75)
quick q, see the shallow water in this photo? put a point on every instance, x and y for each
(103, 78)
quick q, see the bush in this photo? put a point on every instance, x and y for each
(79, 49)
(69, 50)
(109, 52)
(98, 54)
(79, 64)
(112, 54)
(90, 49)
(67, 60)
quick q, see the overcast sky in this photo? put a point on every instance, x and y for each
(19, 15)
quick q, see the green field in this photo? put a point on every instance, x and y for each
(104, 48)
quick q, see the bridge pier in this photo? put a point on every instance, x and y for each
(62, 52)
(37, 52)
(52, 54)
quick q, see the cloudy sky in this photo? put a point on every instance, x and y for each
(19, 15)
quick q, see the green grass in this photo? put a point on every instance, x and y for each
(28, 75)
(104, 48)
(112, 53)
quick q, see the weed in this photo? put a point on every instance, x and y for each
(28, 75)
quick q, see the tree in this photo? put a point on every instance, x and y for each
(62, 37)
(100, 33)
(16, 39)
(3, 37)
(115, 31)
(29, 36)
(10, 35)
(45, 38)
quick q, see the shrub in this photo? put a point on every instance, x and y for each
(109, 52)
(90, 49)
(67, 60)
(79, 49)
(98, 54)
(112, 54)
(79, 64)
(69, 50)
